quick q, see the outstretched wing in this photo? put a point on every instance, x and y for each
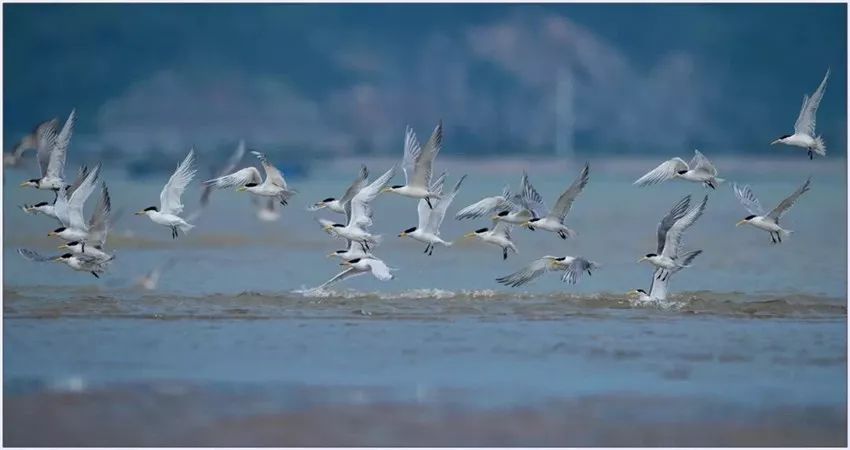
(45, 141)
(535, 269)
(576, 268)
(379, 269)
(483, 207)
(273, 175)
(227, 168)
(807, 120)
(81, 175)
(34, 256)
(665, 171)
(239, 178)
(423, 165)
(565, 201)
(674, 235)
(411, 154)
(530, 199)
(701, 163)
(56, 166)
(99, 221)
(358, 184)
(786, 204)
(500, 227)
(345, 274)
(169, 198)
(658, 288)
(748, 199)
(439, 211)
(359, 209)
(78, 200)
(676, 213)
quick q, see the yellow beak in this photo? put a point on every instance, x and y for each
(330, 255)
(643, 258)
(525, 224)
(63, 246)
(241, 189)
(402, 234)
(23, 184)
(52, 233)
(386, 189)
(345, 263)
(469, 235)
(741, 222)
(775, 142)
(139, 213)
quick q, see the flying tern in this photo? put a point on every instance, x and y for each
(573, 268)
(417, 165)
(338, 205)
(430, 218)
(700, 170)
(804, 128)
(170, 204)
(669, 258)
(554, 220)
(250, 180)
(768, 222)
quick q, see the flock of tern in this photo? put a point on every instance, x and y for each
(85, 240)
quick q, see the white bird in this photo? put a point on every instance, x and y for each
(49, 209)
(500, 236)
(418, 166)
(360, 266)
(69, 211)
(96, 230)
(768, 222)
(32, 141)
(669, 258)
(354, 251)
(338, 205)
(430, 218)
(699, 170)
(82, 263)
(554, 220)
(487, 205)
(526, 205)
(52, 152)
(250, 180)
(573, 268)
(359, 214)
(170, 204)
(804, 128)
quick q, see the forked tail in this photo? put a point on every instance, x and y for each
(819, 147)
(185, 227)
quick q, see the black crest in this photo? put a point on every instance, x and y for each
(398, 186)
(250, 184)
(503, 213)
(151, 208)
(750, 217)
(329, 199)
(59, 230)
(650, 255)
(67, 255)
(39, 204)
(410, 230)
(480, 230)
(354, 261)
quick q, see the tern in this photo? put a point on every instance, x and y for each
(554, 220)
(250, 180)
(49, 209)
(91, 236)
(206, 191)
(69, 211)
(169, 199)
(417, 165)
(804, 128)
(500, 236)
(657, 290)
(359, 214)
(430, 218)
(150, 280)
(699, 170)
(81, 263)
(32, 141)
(52, 152)
(338, 205)
(768, 222)
(573, 268)
(360, 266)
(669, 259)
(354, 251)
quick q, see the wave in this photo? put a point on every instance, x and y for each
(46, 302)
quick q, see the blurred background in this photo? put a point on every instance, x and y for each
(310, 82)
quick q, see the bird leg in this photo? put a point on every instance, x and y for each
(173, 232)
(504, 253)
(708, 183)
(364, 247)
(562, 234)
(427, 247)
(772, 239)
(95, 274)
(779, 237)
(428, 200)
(811, 155)
(430, 252)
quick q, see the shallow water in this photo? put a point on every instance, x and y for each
(752, 343)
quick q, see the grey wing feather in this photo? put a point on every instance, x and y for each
(658, 288)
(356, 186)
(424, 164)
(786, 204)
(576, 268)
(676, 213)
(701, 163)
(46, 140)
(531, 199)
(345, 274)
(56, 166)
(99, 222)
(528, 273)
(807, 119)
(81, 175)
(439, 211)
(748, 199)
(674, 235)
(411, 154)
(565, 201)
(34, 256)
(665, 171)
